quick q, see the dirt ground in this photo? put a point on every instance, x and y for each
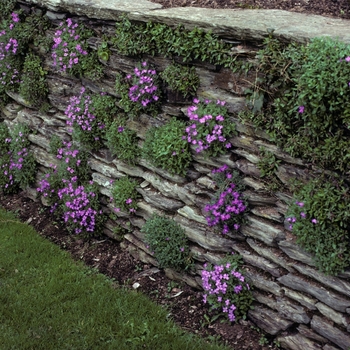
(331, 8)
(106, 255)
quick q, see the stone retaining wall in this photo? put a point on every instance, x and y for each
(304, 308)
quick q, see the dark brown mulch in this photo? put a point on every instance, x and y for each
(106, 255)
(331, 8)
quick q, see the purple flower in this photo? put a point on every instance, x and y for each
(301, 109)
(314, 221)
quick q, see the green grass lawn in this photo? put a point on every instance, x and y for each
(49, 301)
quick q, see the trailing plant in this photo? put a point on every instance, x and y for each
(71, 54)
(164, 147)
(320, 218)
(136, 39)
(18, 166)
(183, 79)
(229, 206)
(125, 195)
(33, 87)
(209, 128)
(307, 109)
(226, 289)
(90, 116)
(268, 166)
(122, 141)
(168, 242)
(139, 91)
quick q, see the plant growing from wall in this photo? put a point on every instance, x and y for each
(139, 91)
(122, 142)
(268, 166)
(226, 289)
(17, 164)
(168, 241)
(71, 54)
(228, 206)
(320, 218)
(165, 148)
(183, 79)
(125, 195)
(90, 115)
(33, 87)
(6, 7)
(307, 110)
(209, 127)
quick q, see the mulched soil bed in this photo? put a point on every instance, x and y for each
(106, 255)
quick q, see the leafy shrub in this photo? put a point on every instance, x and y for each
(228, 207)
(168, 241)
(33, 87)
(122, 141)
(308, 111)
(125, 195)
(181, 78)
(18, 166)
(89, 116)
(320, 218)
(164, 147)
(70, 51)
(226, 289)
(208, 128)
(139, 91)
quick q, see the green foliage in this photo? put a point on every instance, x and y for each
(307, 108)
(181, 78)
(164, 147)
(103, 51)
(4, 136)
(268, 166)
(320, 218)
(55, 144)
(33, 87)
(226, 288)
(168, 241)
(136, 39)
(18, 166)
(124, 194)
(122, 141)
(6, 7)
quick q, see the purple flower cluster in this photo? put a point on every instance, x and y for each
(67, 48)
(143, 89)
(8, 47)
(78, 111)
(292, 219)
(220, 283)
(228, 206)
(204, 130)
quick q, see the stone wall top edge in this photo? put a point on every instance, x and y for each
(245, 24)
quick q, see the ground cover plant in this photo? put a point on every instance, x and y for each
(49, 301)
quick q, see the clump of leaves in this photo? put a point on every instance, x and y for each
(122, 141)
(6, 7)
(183, 79)
(124, 194)
(268, 166)
(164, 147)
(320, 218)
(308, 111)
(168, 242)
(33, 87)
(226, 289)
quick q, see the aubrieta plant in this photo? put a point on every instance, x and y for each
(209, 127)
(17, 164)
(73, 197)
(122, 141)
(70, 52)
(165, 148)
(228, 208)
(226, 289)
(124, 194)
(89, 116)
(320, 219)
(168, 242)
(139, 91)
